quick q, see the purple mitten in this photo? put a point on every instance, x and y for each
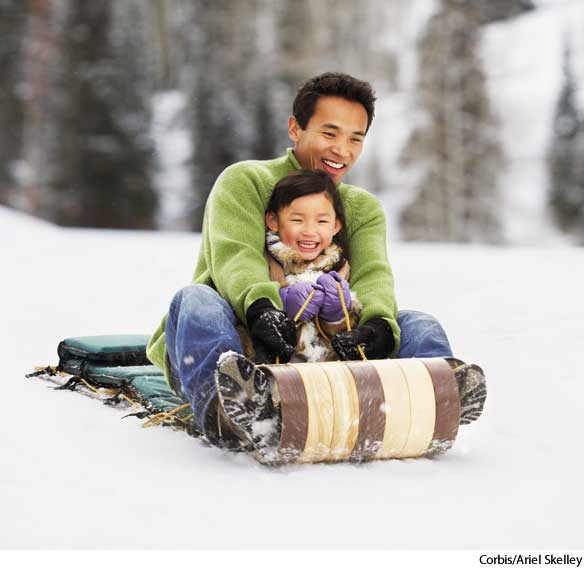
(332, 309)
(294, 296)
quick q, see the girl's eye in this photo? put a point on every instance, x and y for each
(356, 140)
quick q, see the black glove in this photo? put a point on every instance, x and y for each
(272, 332)
(375, 336)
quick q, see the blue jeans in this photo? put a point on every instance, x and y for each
(201, 326)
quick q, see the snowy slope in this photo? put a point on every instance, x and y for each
(74, 475)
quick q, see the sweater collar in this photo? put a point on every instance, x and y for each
(292, 158)
(292, 261)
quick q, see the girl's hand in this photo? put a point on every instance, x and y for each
(332, 308)
(296, 295)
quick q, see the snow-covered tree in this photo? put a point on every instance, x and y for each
(454, 150)
(566, 157)
(99, 156)
(497, 10)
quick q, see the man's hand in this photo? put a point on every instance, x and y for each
(375, 336)
(273, 334)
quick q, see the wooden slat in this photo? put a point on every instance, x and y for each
(294, 405)
(345, 408)
(447, 402)
(320, 413)
(423, 407)
(372, 416)
(397, 408)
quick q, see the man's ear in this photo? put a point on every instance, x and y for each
(293, 129)
(272, 221)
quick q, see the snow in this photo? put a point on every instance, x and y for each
(73, 474)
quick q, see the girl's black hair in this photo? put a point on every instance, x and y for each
(303, 183)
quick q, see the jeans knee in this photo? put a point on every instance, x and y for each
(416, 318)
(191, 295)
(201, 303)
(422, 335)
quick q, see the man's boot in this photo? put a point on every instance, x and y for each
(245, 396)
(472, 389)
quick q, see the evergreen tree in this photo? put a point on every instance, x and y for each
(247, 60)
(99, 160)
(12, 23)
(455, 150)
(232, 117)
(566, 157)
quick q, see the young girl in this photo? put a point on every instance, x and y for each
(307, 253)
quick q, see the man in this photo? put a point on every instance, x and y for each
(332, 114)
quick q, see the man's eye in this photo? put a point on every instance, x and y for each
(327, 134)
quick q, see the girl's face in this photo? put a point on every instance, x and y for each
(307, 225)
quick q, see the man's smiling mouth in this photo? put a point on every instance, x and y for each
(331, 164)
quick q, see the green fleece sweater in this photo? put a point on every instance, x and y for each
(231, 258)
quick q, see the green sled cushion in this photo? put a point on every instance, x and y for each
(72, 366)
(112, 350)
(117, 376)
(119, 362)
(156, 391)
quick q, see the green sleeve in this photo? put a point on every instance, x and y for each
(234, 239)
(371, 275)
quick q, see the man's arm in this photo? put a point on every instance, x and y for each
(371, 275)
(234, 238)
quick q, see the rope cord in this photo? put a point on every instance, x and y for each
(347, 318)
(304, 305)
(319, 328)
(161, 417)
(112, 392)
(152, 421)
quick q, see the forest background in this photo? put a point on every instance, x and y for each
(122, 114)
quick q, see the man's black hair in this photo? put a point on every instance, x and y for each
(333, 85)
(303, 183)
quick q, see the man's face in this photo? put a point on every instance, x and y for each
(333, 138)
